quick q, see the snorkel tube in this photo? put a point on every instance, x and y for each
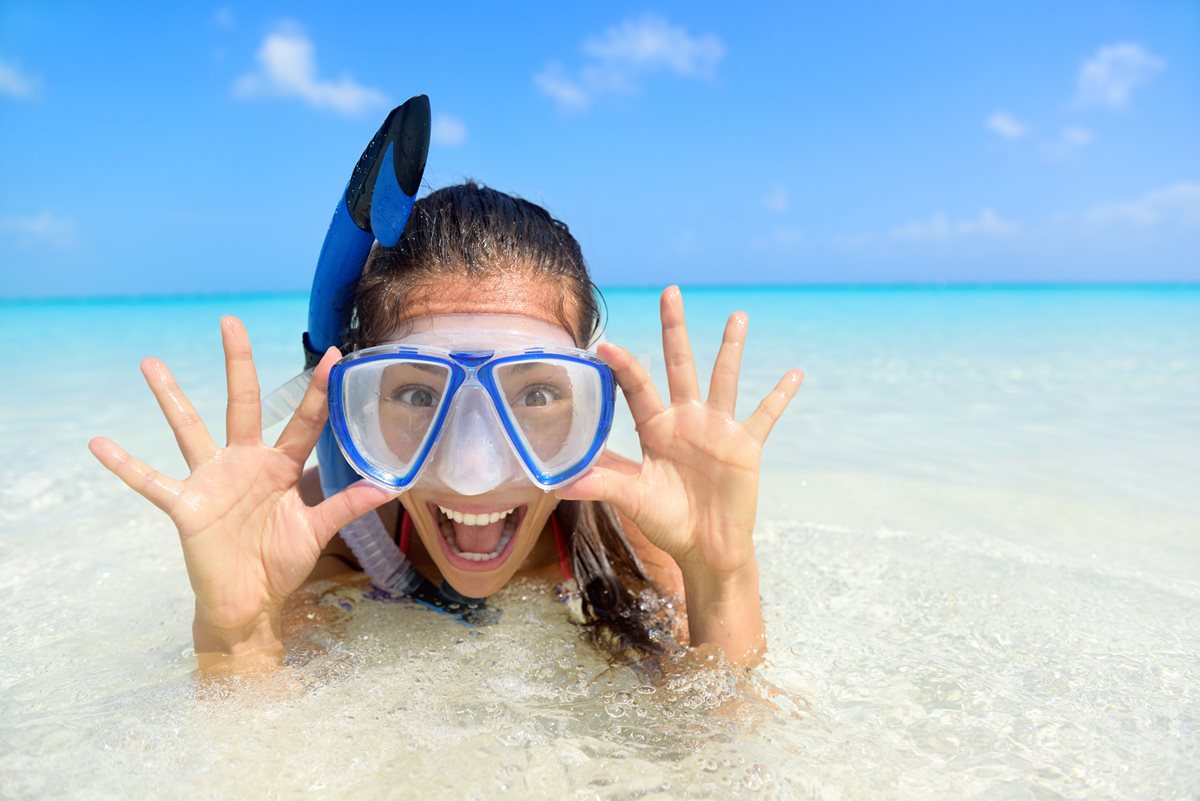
(375, 206)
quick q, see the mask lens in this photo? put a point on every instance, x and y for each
(555, 406)
(392, 405)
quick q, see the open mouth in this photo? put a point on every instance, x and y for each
(477, 540)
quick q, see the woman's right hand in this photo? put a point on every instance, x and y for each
(248, 538)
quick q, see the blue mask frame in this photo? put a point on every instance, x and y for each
(463, 366)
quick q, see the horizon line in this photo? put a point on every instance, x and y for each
(702, 287)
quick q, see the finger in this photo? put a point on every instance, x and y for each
(759, 424)
(610, 486)
(615, 461)
(634, 382)
(722, 390)
(145, 481)
(243, 415)
(356, 500)
(677, 350)
(195, 443)
(302, 431)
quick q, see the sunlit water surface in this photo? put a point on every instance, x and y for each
(979, 536)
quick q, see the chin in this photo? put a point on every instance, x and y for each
(479, 542)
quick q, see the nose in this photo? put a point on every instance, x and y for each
(475, 456)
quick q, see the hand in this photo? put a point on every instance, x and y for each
(695, 493)
(248, 538)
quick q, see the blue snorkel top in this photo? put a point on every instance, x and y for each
(375, 206)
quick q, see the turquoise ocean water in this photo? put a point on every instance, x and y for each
(979, 532)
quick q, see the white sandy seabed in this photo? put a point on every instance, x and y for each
(978, 540)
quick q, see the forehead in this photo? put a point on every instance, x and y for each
(523, 296)
(484, 331)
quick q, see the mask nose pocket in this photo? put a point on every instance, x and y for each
(474, 454)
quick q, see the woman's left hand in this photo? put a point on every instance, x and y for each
(696, 492)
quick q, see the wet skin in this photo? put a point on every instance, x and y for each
(250, 539)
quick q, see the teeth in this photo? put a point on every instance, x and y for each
(469, 519)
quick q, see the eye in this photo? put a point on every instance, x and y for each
(417, 395)
(538, 395)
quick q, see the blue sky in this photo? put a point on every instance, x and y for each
(200, 148)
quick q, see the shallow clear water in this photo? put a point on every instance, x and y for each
(979, 535)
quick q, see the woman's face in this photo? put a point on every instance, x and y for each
(479, 541)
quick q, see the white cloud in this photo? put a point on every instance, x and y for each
(785, 236)
(43, 229)
(776, 201)
(987, 223)
(223, 17)
(940, 228)
(617, 59)
(287, 67)
(652, 43)
(15, 83)
(1109, 77)
(1177, 204)
(781, 238)
(936, 227)
(1077, 136)
(448, 131)
(1165, 215)
(560, 87)
(1070, 141)
(1006, 125)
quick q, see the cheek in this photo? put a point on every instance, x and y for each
(546, 428)
(403, 432)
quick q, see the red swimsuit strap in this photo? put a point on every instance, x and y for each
(405, 530)
(560, 543)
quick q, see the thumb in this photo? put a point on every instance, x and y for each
(605, 484)
(353, 502)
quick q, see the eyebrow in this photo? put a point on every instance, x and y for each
(424, 367)
(522, 367)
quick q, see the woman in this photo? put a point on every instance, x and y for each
(473, 266)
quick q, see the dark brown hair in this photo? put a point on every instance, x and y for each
(477, 232)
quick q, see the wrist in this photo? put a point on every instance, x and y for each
(720, 570)
(724, 609)
(264, 633)
(719, 587)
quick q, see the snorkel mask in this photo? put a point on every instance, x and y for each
(472, 404)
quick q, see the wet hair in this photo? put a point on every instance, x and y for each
(476, 232)
(472, 231)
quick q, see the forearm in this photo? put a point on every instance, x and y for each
(251, 649)
(725, 611)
